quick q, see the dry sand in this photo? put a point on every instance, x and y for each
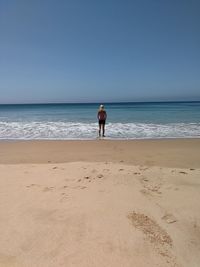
(100, 203)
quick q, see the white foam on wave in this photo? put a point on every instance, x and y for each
(141, 130)
(77, 130)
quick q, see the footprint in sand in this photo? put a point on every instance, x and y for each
(156, 235)
(88, 178)
(145, 192)
(150, 228)
(47, 189)
(183, 172)
(65, 186)
(153, 189)
(54, 168)
(64, 197)
(143, 169)
(169, 218)
(85, 168)
(32, 185)
(100, 176)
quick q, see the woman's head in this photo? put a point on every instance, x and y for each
(101, 107)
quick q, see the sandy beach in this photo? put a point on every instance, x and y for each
(100, 203)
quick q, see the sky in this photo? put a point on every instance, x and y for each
(99, 51)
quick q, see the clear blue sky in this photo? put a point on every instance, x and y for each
(99, 50)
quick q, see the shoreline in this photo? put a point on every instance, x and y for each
(182, 153)
(100, 138)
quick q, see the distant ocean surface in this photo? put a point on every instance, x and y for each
(146, 120)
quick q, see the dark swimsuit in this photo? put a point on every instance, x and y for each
(102, 122)
(102, 117)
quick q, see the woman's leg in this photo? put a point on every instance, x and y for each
(99, 129)
(103, 126)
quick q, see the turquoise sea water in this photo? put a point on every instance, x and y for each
(79, 121)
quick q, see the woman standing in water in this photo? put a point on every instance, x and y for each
(102, 116)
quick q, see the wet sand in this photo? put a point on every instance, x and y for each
(166, 153)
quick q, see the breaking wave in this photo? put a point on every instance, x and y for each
(37, 130)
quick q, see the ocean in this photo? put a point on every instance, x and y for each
(144, 120)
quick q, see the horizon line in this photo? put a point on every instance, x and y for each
(106, 102)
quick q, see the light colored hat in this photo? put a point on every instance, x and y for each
(101, 106)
